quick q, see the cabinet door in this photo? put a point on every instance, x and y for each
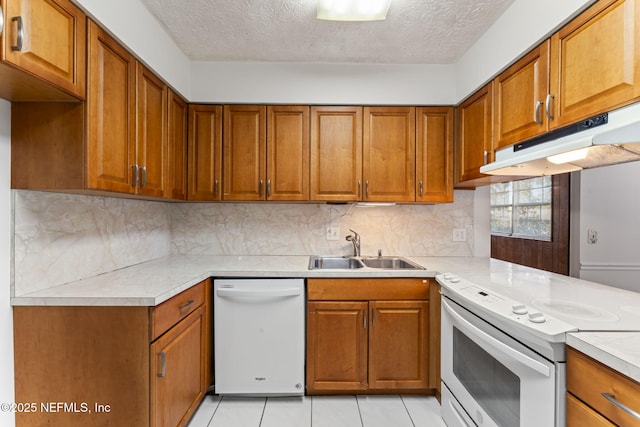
(434, 154)
(389, 154)
(336, 346)
(111, 128)
(336, 153)
(47, 38)
(178, 377)
(244, 152)
(177, 146)
(404, 327)
(520, 95)
(595, 61)
(474, 134)
(288, 153)
(151, 143)
(205, 152)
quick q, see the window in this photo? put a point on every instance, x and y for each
(522, 208)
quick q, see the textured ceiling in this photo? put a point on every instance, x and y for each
(415, 31)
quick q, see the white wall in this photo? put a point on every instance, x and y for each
(323, 83)
(132, 23)
(609, 205)
(522, 26)
(6, 319)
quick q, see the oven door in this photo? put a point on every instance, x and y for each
(495, 379)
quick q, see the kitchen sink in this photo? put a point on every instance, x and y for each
(390, 263)
(327, 262)
(349, 263)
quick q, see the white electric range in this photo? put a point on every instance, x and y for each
(503, 342)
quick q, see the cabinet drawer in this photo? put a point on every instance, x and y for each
(341, 289)
(579, 415)
(587, 379)
(175, 309)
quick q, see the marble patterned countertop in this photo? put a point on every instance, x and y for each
(150, 283)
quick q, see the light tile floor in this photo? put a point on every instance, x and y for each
(319, 411)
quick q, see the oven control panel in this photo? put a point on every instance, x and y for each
(501, 307)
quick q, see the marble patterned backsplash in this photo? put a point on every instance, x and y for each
(300, 229)
(59, 238)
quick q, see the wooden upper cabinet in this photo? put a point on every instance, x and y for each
(404, 327)
(244, 152)
(47, 38)
(336, 153)
(111, 130)
(520, 98)
(177, 124)
(151, 142)
(434, 154)
(595, 61)
(205, 152)
(288, 153)
(389, 154)
(475, 134)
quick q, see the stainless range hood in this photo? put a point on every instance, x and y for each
(603, 140)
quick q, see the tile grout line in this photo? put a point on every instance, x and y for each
(214, 411)
(407, 409)
(264, 409)
(359, 411)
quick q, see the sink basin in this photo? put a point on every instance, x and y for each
(349, 263)
(324, 262)
(391, 263)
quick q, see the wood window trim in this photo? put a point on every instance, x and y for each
(545, 255)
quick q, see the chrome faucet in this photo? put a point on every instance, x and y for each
(355, 241)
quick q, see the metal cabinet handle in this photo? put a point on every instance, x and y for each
(1, 20)
(143, 181)
(134, 170)
(612, 398)
(185, 305)
(548, 106)
(366, 189)
(485, 157)
(260, 185)
(20, 38)
(163, 364)
(537, 116)
(364, 322)
(359, 186)
(268, 188)
(215, 187)
(373, 318)
(420, 188)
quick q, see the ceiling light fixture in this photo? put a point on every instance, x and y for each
(353, 10)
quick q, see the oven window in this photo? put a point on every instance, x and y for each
(494, 387)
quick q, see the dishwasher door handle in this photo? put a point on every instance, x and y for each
(258, 294)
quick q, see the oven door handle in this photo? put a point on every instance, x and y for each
(493, 342)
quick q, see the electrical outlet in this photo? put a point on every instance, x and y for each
(459, 235)
(592, 236)
(333, 233)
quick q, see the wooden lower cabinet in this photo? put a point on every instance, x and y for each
(587, 382)
(399, 344)
(102, 366)
(369, 346)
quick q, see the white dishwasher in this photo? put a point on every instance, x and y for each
(259, 330)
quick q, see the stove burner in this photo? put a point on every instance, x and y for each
(574, 310)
